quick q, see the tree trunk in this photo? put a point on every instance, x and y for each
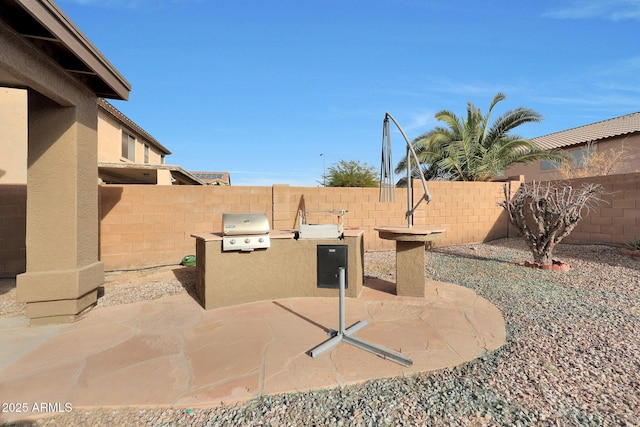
(542, 257)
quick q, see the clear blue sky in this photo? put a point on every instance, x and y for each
(261, 88)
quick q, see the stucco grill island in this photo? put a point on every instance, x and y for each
(248, 261)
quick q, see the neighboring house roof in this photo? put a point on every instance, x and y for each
(214, 178)
(617, 126)
(140, 173)
(49, 30)
(128, 122)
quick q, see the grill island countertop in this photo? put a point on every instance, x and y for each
(414, 234)
(410, 255)
(274, 234)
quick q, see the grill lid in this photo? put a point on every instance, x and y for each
(236, 224)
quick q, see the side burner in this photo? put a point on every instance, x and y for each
(321, 231)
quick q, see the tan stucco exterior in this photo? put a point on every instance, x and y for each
(287, 269)
(13, 140)
(63, 271)
(631, 144)
(110, 130)
(62, 267)
(13, 136)
(109, 134)
(145, 165)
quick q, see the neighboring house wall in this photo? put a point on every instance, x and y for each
(127, 154)
(607, 136)
(110, 133)
(540, 171)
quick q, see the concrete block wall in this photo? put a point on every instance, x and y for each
(616, 220)
(143, 226)
(13, 223)
(152, 225)
(469, 211)
(362, 206)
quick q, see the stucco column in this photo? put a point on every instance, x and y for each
(410, 270)
(63, 271)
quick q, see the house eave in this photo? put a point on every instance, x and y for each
(45, 26)
(138, 171)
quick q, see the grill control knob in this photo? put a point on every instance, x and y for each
(232, 241)
(261, 240)
(247, 240)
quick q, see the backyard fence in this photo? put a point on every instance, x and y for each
(143, 225)
(13, 228)
(616, 221)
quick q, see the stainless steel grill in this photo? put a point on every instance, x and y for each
(245, 231)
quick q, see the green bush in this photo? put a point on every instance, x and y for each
(634, 245)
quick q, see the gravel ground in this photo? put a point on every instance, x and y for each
(572, 356)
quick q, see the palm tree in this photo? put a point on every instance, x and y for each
(474, 150)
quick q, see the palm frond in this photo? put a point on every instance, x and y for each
(511, 120)
(471, 148)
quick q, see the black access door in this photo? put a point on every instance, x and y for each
(330, 259)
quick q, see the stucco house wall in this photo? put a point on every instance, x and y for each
(13, 136)
(631, 164)
(13, 180)
(613, 135)
(117, 167)
(110, 129)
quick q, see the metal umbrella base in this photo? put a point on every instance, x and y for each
(346, 335)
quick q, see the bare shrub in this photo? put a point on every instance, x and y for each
(545, 213)
(595, 163)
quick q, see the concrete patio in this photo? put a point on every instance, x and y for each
(171, 352)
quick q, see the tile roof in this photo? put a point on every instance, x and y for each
(616, 126)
